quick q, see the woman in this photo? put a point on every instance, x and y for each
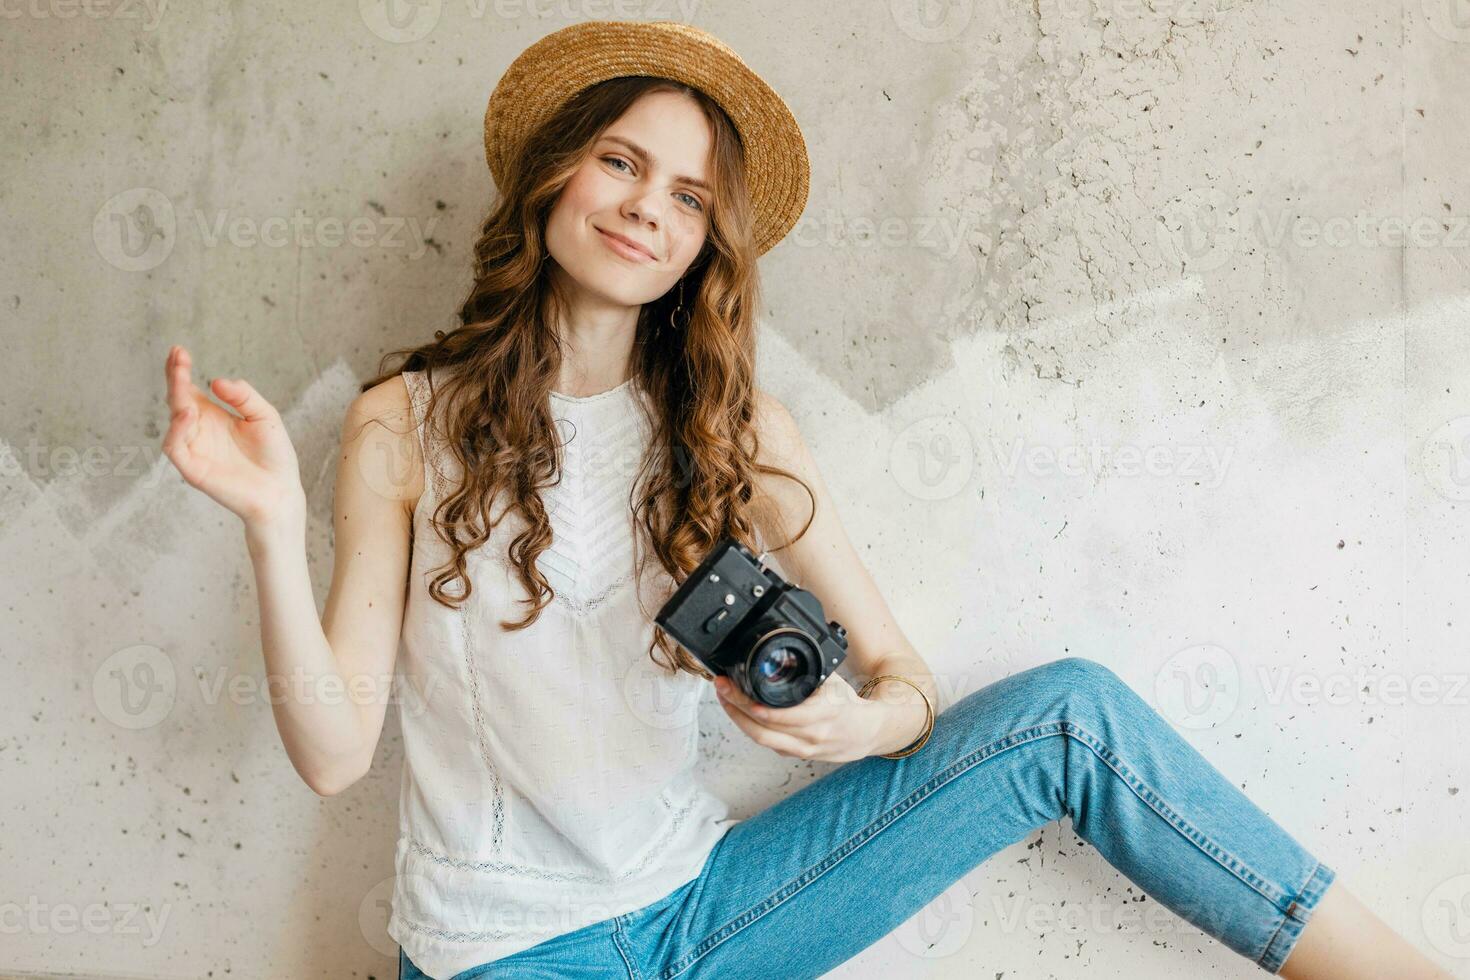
(600, 392)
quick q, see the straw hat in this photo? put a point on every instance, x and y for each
(564, 62)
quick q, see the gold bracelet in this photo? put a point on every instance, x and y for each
(918, 743)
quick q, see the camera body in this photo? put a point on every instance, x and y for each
(743, 620)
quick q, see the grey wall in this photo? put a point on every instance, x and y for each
(1099, 324)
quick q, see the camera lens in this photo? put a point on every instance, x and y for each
(784, 668)
(779, 664)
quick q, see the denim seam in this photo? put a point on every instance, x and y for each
(1224, 858)
(944, 777)
(619, 938)
(1300, 909)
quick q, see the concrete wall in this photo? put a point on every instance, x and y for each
(1114, 290)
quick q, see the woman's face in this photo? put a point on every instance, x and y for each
(642, 181)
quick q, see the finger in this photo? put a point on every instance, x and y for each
(176, 442)
(243, 398)
(775, 741)
(181, 390)
(792, 718)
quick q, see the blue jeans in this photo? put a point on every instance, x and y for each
(854, 854)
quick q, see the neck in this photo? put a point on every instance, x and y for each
(597, 346)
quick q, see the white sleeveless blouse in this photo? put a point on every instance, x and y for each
(548, 778)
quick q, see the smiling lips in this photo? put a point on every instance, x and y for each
(626, 247)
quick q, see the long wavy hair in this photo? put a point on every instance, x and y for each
(696, 480)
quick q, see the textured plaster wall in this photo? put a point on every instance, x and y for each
(1107, 296)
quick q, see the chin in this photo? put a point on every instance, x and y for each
(615, 283)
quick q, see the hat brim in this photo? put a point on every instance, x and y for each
(567, 61)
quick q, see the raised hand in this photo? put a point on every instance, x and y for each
(245, 462)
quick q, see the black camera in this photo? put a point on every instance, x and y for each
(743, 620)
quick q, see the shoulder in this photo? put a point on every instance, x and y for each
(777, 430)
(388, 403)
(378, 434)
(385, 398)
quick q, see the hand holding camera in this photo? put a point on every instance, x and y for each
(770, 648)
(746, 622)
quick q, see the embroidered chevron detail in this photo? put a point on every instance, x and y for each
(591, 556)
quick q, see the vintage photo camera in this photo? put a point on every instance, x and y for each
(743, 620)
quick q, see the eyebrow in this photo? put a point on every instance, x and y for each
(645, 157)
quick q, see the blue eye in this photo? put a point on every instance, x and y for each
(693, 201)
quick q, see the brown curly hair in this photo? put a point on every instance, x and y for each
(696, 481)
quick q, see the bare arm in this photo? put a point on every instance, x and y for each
(329, 685)
(347, 657)
(825, 563)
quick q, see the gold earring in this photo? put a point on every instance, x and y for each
(677, 309)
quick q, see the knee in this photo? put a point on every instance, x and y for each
(1060, 688)
(1074, 679)
(1086, 670)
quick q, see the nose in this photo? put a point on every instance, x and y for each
(644, 208)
